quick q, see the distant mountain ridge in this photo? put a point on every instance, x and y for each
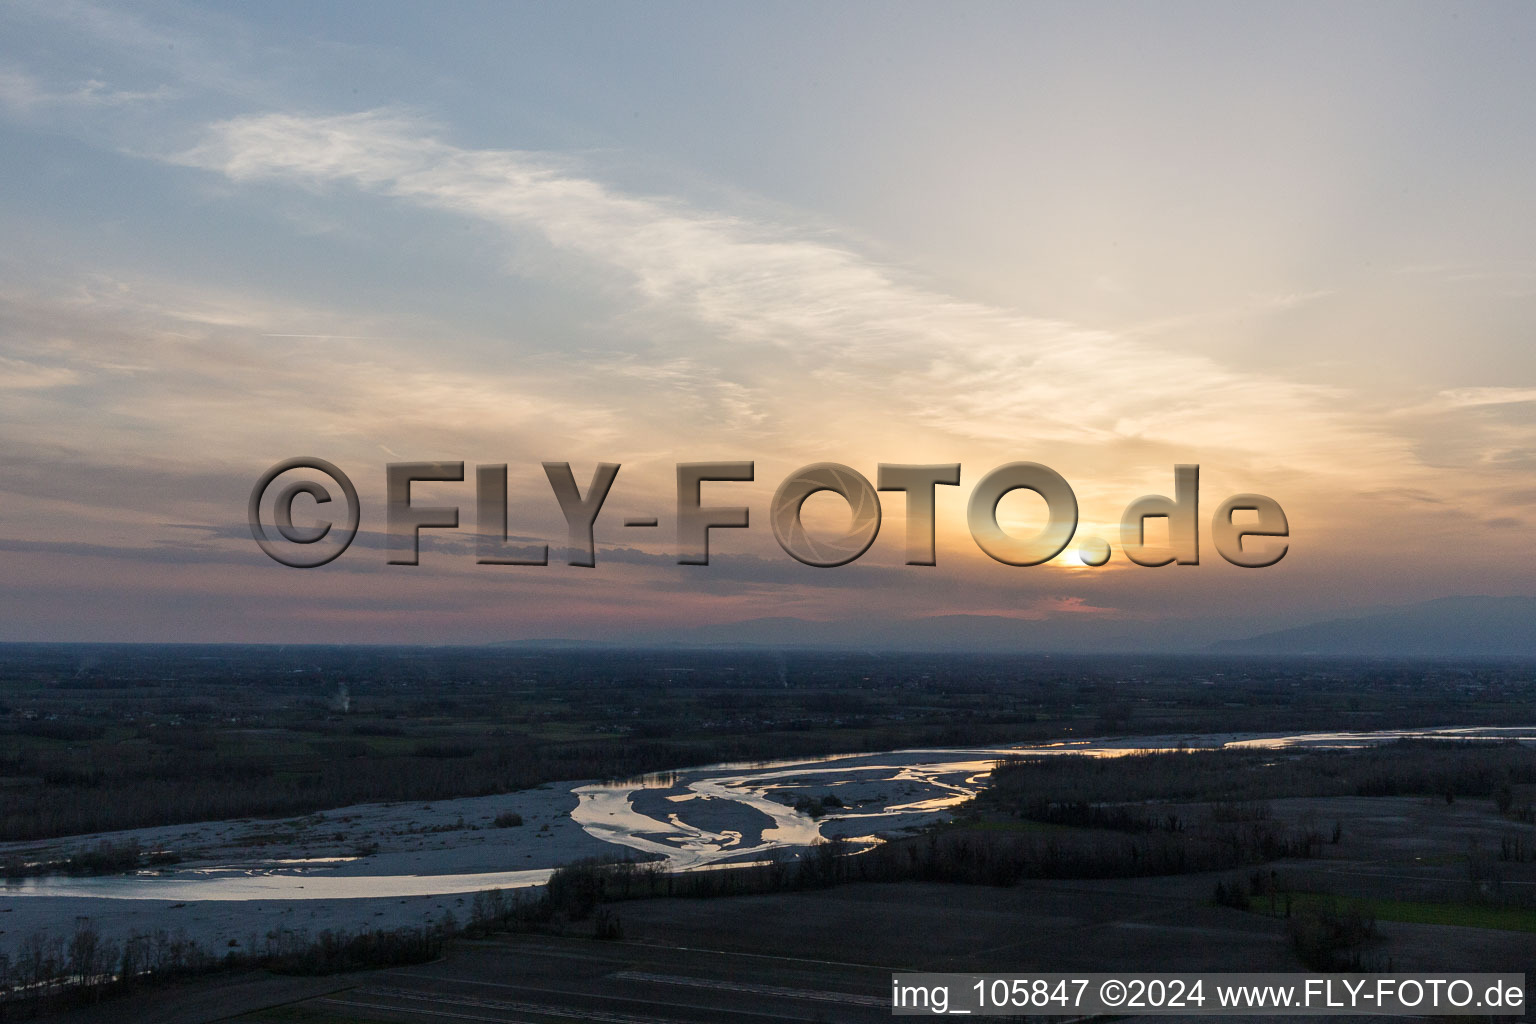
(1461, 627)
(960, 633)
(1447, 627)
(935, 633)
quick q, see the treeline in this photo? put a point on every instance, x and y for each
(959, 855)
(990, 857)
(1044, 788)
(1327, 933)
(104, 858)
(50, 973)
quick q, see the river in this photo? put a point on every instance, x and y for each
(701, 818)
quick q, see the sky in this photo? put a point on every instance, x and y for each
(1290, 243)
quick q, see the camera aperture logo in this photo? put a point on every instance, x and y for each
(316, 545)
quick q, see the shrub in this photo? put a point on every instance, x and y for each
(1329, 938)
(1232, 895)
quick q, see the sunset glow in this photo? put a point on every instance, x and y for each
(236, 238)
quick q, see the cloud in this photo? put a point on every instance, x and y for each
(23, 92)
(176, 370)
(1463, 398)
(1490, 429)
(18, 375)
(784, 306)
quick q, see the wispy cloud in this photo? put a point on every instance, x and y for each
(23, 92)
(1464, 398)
(782, 304)
(175, 370)
(18, 374)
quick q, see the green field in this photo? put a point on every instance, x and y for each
(1463, 915)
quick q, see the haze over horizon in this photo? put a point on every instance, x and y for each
(1291, 245)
